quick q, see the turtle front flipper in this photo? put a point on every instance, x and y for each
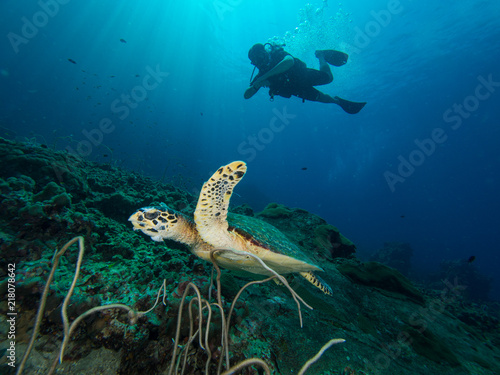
(210, 215)
(318, 282)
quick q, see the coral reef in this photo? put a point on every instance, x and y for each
(48, 197)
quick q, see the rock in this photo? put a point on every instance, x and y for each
(244, 209)
(396, 255)
(33, 210)
(49, 191)
(61, 200)
(329, 238)
(427, 344)
(275, 211)
(478, 285)
(381, 277)
(116, 205)
(298, 225)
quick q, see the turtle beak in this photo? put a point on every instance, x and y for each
(155, 222)
(136, 219)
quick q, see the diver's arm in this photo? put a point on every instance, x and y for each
(280, 67)
(252, 90)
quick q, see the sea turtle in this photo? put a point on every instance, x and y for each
(215, 227)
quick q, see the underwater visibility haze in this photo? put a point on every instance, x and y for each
(155, 88)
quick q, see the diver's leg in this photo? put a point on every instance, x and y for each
(325, 98)
(324, 67)
(314, 95)
(314, 77)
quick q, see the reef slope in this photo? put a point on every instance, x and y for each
(390, 325)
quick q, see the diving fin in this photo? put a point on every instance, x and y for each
(332, 57)
(350, 107)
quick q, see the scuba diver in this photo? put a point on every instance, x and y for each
(286, 75)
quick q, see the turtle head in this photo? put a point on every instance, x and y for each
(161, 223)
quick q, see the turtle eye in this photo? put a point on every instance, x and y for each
(151, 215)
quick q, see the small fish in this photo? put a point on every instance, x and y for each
(123, 41)
(201, 113)
(137, 75)
(304, 168)
(72, 61)
(105, 155)
(471, 259)
(402, 216)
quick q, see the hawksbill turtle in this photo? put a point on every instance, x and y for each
(215, 227)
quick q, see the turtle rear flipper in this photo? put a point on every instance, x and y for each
(318, 282)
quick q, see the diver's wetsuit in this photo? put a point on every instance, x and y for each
(298, 80)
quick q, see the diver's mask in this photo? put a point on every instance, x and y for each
(260, 55)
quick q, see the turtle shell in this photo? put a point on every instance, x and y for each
(267, 236)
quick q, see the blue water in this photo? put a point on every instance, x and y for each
(183, 67)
